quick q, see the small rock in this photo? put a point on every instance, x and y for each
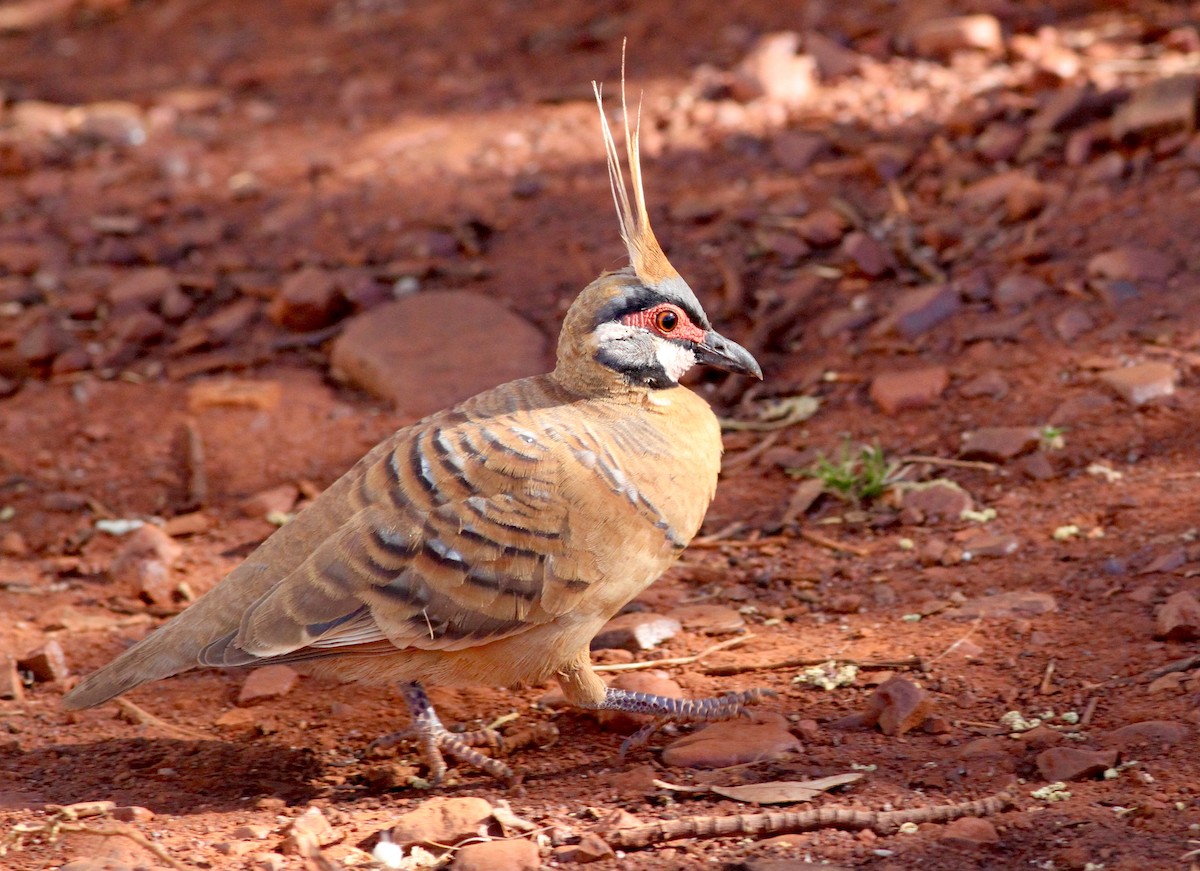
(795, 150)
(916, 388)
(132, 814)
(897, 706)
(1072, 763)
(443, 821)
(763, 738)
(941, 37)
(278, 500)
(144, 563)
(1178, 618)
(10, 680)
(999, 443)
(1162, 105)
(12, 543)
(709, 619)
(140, 289)
(1018, 603)
(516, 854)
(639, 630)
(654, 682)
(453, 343)
(918, 311)
(985, 544)
(934, 500)
(309, 830)
(834, 60)
(252, 832)
(1131, 263)
(1167, 562)
(999, 142)
(183, 525)
(617, 820)
(973, 831)
(868, 254)
(1142, 382)
(47, 663)
(773, 69)
(1072, 323)
(591, 848)
(991, 384)
(256, 395)
(1018, 289)
(822, 228)
(1158, 733)
(308, 300)
(268, 682)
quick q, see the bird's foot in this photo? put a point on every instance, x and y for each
(436, 741)
(668, 710)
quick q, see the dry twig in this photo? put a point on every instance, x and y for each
(66, 819)
(949, 462)
(913, 662)
(783, 823)
(832, 543)
(677, 660)
(143, 717)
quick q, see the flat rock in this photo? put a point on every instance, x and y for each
(275, 500)
(708, 619)
(268, 682)
(941, 37)
(1073, 763)
(1072, 323)
(636, 631)
(591, 848)
(897, 706)
(1017, 603)
(986, 544)
(990, 384)
(1142, 382)
(430, 350)
(1159, 733)
(773, 68)
(931, 501)
(1163, 105)
(442, 820)
(515, 854)
(999, 443)
(310, 829)
(974, 831)
(918, 311)
(308, 300)
(1131, 263)
(1178, 618)
(868, 254)
(1018, 289)
(231, 393)
(140, 289)
(763, 738)
(915, 388)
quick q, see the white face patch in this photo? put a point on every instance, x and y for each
(674, 359)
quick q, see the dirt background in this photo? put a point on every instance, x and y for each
(1009, 213)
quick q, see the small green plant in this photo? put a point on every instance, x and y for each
(857, 476)
(1051, 438)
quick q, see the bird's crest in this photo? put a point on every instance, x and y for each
(645, 254)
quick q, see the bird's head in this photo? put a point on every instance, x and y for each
(640, 327)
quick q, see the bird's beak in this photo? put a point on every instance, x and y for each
(716, 350)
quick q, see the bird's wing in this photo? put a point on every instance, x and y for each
(462, 534)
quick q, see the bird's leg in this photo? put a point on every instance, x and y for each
(435, 739)
(584, 688)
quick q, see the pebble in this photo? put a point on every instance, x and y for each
(1131, 263)
(1017, 289)
(452, 343)
(1162, 105)
(834, 60)
(1178, 618)
(516, 854)
(12, 543)
(917, 311)
(231, 393)
(763, 738)
(140, 289)
(308, 300)
(915, 388)
(941, 37)
(1140, 383)
(990, 384)
(1017, 603)
(930, 501)
(47, 663)
(822, 228)
(183, 525)
(591, 848)
(795, 150)
(654, 681)
(1072, 323)
(974, 831)
(1073, 763)
(709, 619)
(442, 820)
(132, 814)
(143, 565)
(897, 706)
(871, 257)
(999, 443)
(986, 544)
(310, 829)
(772, 68)
(636, 631)
(1149, 732)
(267, 682)
(280, 500)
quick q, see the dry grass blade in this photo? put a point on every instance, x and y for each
(677, 660)
(913, 662)
(142, 717)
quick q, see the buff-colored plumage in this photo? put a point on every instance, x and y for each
(488, 543)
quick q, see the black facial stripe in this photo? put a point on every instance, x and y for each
(649, 375)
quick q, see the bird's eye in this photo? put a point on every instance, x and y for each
(666, 321)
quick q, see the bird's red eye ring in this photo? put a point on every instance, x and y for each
(666, 321)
